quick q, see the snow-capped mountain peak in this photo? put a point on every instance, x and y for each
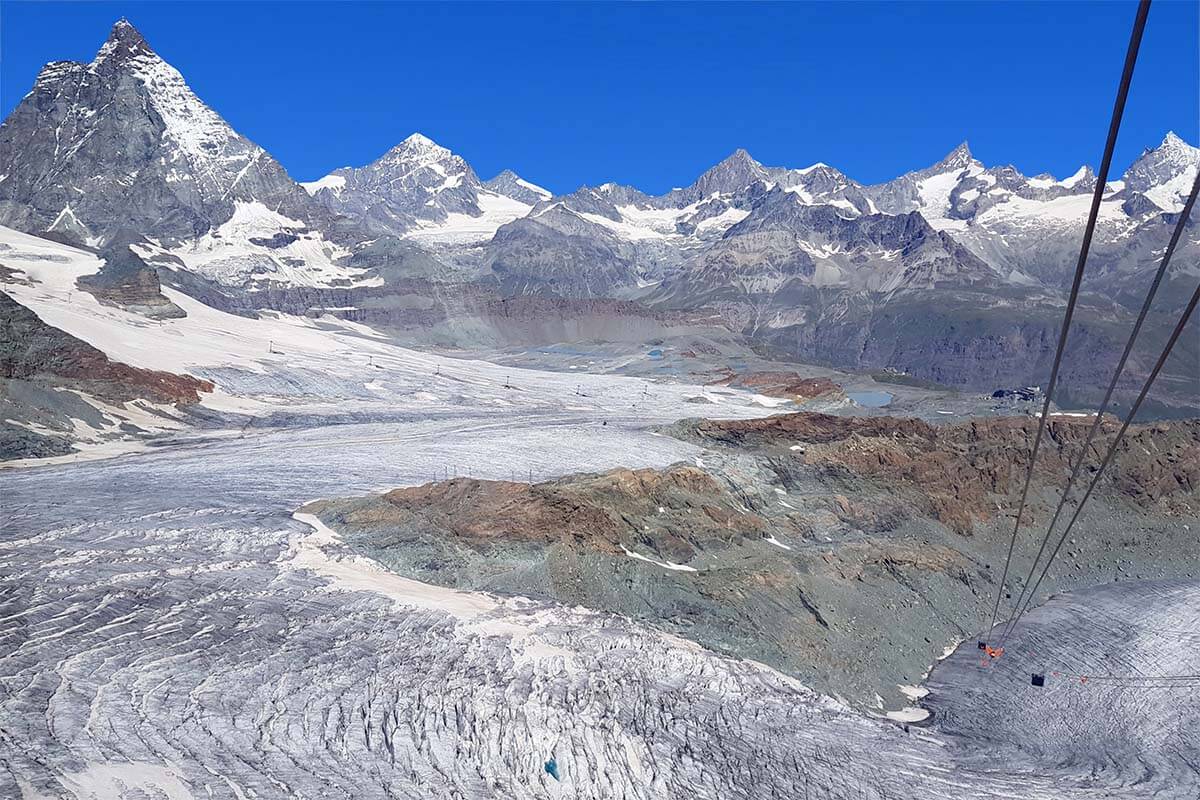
(421, 149)
(416, 183)
(133, 146)
(731, 175)
(420, 140)
(510, 184)
(124, 41)
(1163, 174)
(958, 158)
(1172, 143)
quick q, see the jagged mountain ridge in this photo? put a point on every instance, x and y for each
(195, 174)
(419, 184)
(772, 247)
(132, 146)
(1025, 229)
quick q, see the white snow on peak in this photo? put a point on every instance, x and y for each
(199, 132)
(334, 183)
(420, 149)
(1046, 181)
(818, 165)
(1079, 175)
(533, 187)
(416, 153)
(420, 140)
(1173, 142)
(1170, 196)
(463, 229)
(934, 191)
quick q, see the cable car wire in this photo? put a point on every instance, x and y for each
(1112, 449)
(1135, 41)
(1176, 235)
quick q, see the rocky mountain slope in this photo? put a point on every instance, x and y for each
(122, 143)
(953, 273)
(52, 384)
(785, 538)
(422, 188)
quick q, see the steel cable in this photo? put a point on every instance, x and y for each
(1112, 385)
(1112, 449)
(1135, 41)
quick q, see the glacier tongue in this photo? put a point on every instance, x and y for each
(231, 651)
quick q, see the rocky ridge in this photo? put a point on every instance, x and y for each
(793, 534)
(953, 273)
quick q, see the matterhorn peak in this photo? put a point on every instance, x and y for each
(123, 30)
(123, 41)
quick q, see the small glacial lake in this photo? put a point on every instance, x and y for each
(870, 399)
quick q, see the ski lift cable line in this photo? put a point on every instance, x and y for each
(1135, 41)
(1112, 385)
(1112, 449)
(1142, 678)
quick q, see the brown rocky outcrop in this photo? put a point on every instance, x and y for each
(34, 351)
(671, 513)
(782, 383)
(964, 472)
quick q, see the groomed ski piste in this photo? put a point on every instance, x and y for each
(172, 625)
(280, 368)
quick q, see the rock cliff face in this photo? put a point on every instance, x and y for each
(32, 350)
(973, 341)
(128, 282)
(796, 532)
(968, 472)
(123, 142)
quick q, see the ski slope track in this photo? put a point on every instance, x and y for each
(277, 367)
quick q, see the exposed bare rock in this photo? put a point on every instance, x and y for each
(831, 548)
(966, 472)
(32, 350)
(790, 385)
(128, 282)
(670, 514)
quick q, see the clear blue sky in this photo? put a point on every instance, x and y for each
(652, 94)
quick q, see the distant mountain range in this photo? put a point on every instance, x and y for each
(954, 272)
